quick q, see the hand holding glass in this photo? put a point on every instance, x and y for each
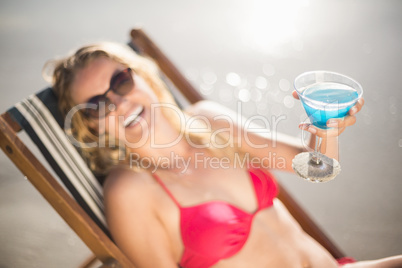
(324, 95)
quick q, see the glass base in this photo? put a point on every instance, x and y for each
(307, 167)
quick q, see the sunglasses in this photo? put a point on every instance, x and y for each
(100, 106)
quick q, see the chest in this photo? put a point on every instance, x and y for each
(218, 207)
(233, 186)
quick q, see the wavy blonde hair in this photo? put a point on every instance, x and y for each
(101, 160)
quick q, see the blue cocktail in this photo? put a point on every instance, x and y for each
(324, 95)
(324, 101)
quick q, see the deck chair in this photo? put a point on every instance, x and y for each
(80, 201)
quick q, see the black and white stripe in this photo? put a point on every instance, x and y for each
(63, 152)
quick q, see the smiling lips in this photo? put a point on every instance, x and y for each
(134, 117)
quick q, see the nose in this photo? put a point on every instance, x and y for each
(116, 99)
(120, 102)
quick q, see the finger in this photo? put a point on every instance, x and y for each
(295, 95)
(323, 133)
(349, 121)
(318, 131)
(308, 127)
(336, 122)
(331, 132)
(358, 106)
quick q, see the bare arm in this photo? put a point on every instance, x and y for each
(133, 222)
(390, 262)
(275, 150)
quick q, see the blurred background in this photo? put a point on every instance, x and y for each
(248, 51)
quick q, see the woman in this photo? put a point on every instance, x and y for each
(177, 189)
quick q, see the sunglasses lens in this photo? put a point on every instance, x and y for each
(123, 82)
(98, 107)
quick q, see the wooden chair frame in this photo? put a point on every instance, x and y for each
(97, 241)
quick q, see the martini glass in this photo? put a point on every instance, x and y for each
(324, 95)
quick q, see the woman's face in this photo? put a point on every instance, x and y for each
(130, 116)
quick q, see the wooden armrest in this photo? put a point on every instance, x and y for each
(111, 263)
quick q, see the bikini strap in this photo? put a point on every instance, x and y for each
(166, 189)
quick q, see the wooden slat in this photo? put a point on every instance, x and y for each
(308, 224)
(144, 43)
(10, 121)
(47, 185)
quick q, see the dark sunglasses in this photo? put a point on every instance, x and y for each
(100, 105)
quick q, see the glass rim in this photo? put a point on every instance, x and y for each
(345, 104)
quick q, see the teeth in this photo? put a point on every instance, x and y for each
(130, 119)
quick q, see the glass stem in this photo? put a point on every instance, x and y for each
(317, 149)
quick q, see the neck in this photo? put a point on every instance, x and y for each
(179, 157)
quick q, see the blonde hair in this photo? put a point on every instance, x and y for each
(64, 70)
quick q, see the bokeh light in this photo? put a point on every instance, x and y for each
(209, 78)
(289, 102)
(284, 85)
(244, 95)
(261, 82)
(233, 79)
(206, 89)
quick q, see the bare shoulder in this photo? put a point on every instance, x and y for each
(123, 186)
(130, 210)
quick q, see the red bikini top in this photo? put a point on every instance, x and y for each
(216, 230)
